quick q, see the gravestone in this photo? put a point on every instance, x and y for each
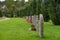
(41, 33)
(24, 17)
(33, 20)
(36, 22)
(27, 17)
(30, 19)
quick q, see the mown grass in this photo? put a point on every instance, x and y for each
(18, 29)
(1, 18)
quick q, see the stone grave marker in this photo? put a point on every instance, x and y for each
(33, 20)
(41, 31)
(36, 22)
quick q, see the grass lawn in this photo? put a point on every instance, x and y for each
(1, 18)
(18, 29)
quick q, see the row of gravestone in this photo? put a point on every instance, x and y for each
(38, 24)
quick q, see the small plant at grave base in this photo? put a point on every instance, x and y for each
(33, 28)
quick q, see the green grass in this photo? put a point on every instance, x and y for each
(1, 18)
(18, 29)
(51, 32)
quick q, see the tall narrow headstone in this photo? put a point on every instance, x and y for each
(29, 18)
(33, 20)
(41, 26)
(36, 22)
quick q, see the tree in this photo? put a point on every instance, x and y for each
(34, 7)
(14, 10)
(44, 10)
(54, 11)
(9, 3)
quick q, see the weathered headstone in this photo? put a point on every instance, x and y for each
(24, 17)
(33, 20)
(27, 17)
(41, 26)
(36, 22)
(30, 19)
